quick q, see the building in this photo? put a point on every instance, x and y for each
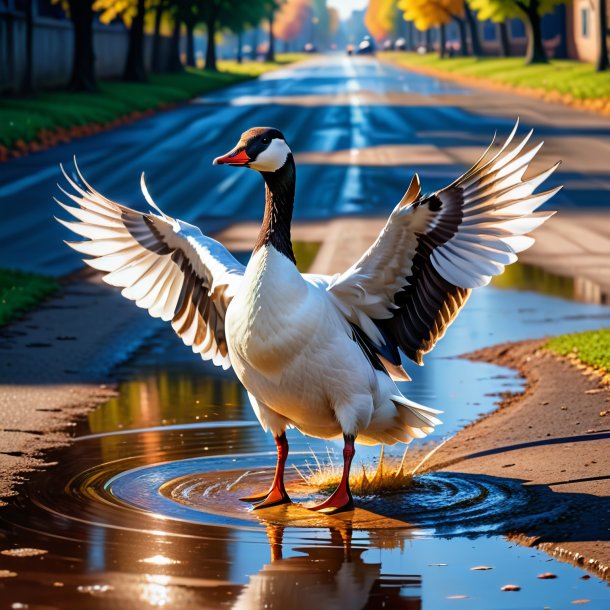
(583, 29)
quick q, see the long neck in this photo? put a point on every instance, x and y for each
(279, 203)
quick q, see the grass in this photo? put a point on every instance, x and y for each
(591, 348)
(305, 252)
(385, 477)
(20, 291)
(24, 120)
(566, 77)
(521, 276)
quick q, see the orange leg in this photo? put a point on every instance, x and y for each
(277, 493)
(341, 499)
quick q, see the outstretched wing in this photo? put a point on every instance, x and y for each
(409, 286)
(165, 265)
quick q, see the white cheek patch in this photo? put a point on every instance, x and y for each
(272, 158)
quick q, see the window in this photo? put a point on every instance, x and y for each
(489, 31)
(584, 22)
(517, 28)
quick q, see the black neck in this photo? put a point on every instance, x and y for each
(279, 203)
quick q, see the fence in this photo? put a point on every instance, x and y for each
(53, 46)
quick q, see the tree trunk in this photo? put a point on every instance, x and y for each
(270, 56)
(134, 65)
(83, 61)
(475, 40)
(427, 41)
(442, 41)
(504, 39)
(156, 45)
(533, 24)
(190, 45)
(409, 36)
(27, 82)
(463, 36)
(210, 52)
(174, 63)
(254, 51)
(602, 59)
(240, 44)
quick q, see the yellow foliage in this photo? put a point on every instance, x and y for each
(124, 9)
(426, 14)
(379, 18)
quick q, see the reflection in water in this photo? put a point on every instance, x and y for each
(328, 575)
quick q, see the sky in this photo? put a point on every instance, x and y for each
(345, 7)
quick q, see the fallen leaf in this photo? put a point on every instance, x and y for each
(579, 602)
(510, 588)
(547, 576)
(457, 596)
(482, 568)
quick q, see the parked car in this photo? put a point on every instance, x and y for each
(366, 47)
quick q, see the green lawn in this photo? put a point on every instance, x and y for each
(591, 348)
(23, 118)
(22, 291)
(564, 76)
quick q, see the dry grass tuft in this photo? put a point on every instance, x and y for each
(366, 479)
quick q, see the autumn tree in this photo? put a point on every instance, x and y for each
(530, 11)
(291, 19)
(380, 18)
(132, 12)
(427, 14)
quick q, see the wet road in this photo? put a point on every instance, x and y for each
(388, 122)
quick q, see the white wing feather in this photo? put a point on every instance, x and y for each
(165, 265)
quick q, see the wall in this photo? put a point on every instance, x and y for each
(53, 47)
(580, 46)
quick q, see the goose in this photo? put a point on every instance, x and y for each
(315, 352)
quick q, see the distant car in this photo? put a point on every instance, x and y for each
(350, 49)
(310, 48)
(400, 45)
(366, 47)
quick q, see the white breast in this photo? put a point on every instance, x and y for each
(269, 316)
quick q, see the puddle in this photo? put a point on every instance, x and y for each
(143, 510)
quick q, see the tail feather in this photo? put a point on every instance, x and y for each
(415, 415)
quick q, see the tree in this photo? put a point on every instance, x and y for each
(160, 9)
(531, 11)
(504, 39)
(427, 14)
(475, 40)
(291, 19)
(380, 18)
(602, 21)
(83, 56)
(234, 15)
(132, 12)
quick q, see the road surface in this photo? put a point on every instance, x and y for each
(359, 129)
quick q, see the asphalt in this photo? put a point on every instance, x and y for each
(359, 129)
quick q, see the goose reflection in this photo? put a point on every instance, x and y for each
(326, 576)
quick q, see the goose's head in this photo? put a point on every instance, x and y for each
(261, 148)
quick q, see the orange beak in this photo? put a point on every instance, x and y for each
(234, 157)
